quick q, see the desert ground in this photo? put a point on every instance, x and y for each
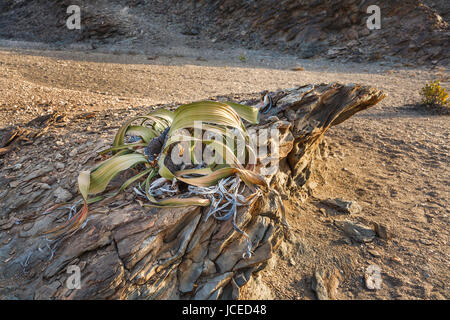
(393, 159)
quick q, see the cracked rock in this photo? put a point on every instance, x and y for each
(62, 195)
(356, 230)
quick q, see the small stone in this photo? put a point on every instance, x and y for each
(333, 285)
(397, 260)
(374, 253)
(292, 262)
(59, 165)
(59, 156)
(356, 230)
(348, 207)
(318, 285)
(27, 226)
(347, 241)
(43, 186)
(381, 231)
(45, 179)
(14, 184)
(425, 242)
(373, 277)
(62, 195)
(73, 153)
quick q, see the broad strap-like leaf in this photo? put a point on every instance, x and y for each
(100, 178)
(251, 114)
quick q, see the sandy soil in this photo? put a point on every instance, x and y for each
(392, 159)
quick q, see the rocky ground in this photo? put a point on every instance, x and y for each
(379, 198)
(390, 161)
(412, 30)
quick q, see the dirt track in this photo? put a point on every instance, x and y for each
(36, 80)
(392, 159)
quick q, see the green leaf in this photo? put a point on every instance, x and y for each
(145, 133)
(251, 114)
(214, 112)
(161, 118)
(100, 178)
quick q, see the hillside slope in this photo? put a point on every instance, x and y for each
(410, 29)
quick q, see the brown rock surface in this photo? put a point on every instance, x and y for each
(130, 252)
(412, 29)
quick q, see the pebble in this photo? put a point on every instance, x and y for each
(381, 231)
(356, 230)
(397, 259)
(43, 186)
(344, 206)
(333, 284)
(59, 165)
(373, 277)
(73, 153)
(45, 179)
(28, 226)
(347, 241)
(318, 285)
(14, 184)
(374, 253)
(425, 242)
(62, 195)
